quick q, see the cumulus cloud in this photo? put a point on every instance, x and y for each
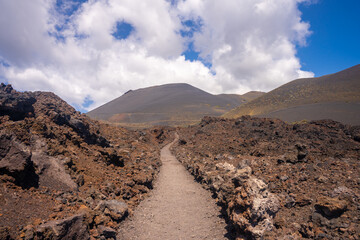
(70, 49)
(251, 43)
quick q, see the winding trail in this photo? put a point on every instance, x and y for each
(178, 208)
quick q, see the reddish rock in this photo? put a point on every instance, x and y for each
(117, 210)
(331, 207)
(73, 227)
(52, 155)
(107, 232)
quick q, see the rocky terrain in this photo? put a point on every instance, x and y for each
(64, 176)
(276, 180)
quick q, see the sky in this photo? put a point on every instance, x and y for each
(334, 44)
(91, 51)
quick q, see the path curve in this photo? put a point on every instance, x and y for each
(177, 208)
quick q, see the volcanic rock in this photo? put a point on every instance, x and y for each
(281, 170)
(331, 207)
(113, 208)
(107, 232)
(55, 161)
(15, 105)
(16, 161)
(69, 228)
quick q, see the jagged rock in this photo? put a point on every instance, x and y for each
(70, 228)
(77, 125)
(14, 157)
(16, 162)
(241, 175)
(107, 232)
(331, 207)
(264, 206)
(51, 170)
(117, 210)
(17, 106)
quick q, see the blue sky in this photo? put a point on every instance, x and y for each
(90, 52)
(335, 41)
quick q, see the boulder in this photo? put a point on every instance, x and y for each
(73, 227)
(51, 170)
(14, 157)
(256, 208)
(77, 125)
(15, 161)
(107, 232)
(117, 210)
(330, 207)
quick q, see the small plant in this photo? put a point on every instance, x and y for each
(304, 121)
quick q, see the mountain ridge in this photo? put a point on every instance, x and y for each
(170, 104)
(340, 87)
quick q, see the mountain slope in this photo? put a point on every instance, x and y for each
(314, 98)
(170, 104)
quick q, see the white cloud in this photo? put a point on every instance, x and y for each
(250, 43)
(23, 25)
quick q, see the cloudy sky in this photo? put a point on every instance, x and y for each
(89, 52)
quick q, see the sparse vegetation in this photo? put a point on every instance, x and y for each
(304, 121)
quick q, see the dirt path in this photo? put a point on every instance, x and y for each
(178, 208)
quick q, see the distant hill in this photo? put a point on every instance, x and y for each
(170, 104)
(335, 96)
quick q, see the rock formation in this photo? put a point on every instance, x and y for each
(277, 180)
(63, 175)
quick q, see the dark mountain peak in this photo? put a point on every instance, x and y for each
(168, 104)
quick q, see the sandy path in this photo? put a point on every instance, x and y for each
(178, 208)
